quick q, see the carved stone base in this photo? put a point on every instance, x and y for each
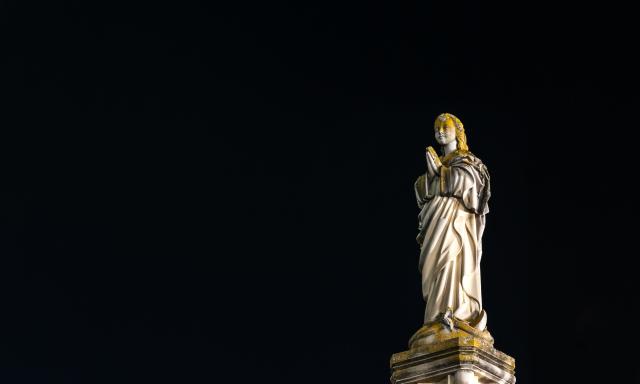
(462, 355)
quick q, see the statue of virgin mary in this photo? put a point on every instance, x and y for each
(452, 196)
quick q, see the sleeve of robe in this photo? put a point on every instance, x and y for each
(467, 180)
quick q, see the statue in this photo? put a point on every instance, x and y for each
(453, 346)
(452, 196)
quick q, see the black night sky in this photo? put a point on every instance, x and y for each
(210, 192)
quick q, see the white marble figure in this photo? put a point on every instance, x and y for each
(452, 196)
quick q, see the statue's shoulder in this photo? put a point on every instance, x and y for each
(472, 158)
(461, 157)
(468, 159)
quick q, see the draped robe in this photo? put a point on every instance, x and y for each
(453, 205)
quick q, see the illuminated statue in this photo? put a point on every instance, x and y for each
(452, 196)
(453, 346)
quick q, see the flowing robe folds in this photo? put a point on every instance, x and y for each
(453, 205)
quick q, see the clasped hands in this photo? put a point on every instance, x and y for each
(433, 163)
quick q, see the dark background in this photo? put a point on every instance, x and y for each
(200, 192)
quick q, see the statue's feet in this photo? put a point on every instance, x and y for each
(447, 319)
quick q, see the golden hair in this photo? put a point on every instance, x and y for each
(461, 138)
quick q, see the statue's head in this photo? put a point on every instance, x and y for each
(449, 128)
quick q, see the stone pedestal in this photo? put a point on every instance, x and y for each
(460, 355)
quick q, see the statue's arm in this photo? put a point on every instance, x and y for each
(467, 183)
(420, 188)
